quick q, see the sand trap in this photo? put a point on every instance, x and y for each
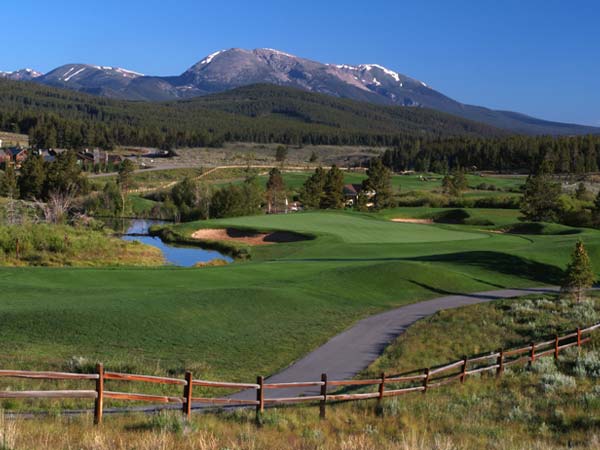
(404, 220)
(247, 237)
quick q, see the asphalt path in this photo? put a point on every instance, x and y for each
(351, 351)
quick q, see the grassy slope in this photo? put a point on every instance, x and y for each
(525, 409)
(250, 318)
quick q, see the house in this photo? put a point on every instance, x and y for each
(352, 191)
(17, 155)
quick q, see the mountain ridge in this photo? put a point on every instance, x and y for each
(236, 67)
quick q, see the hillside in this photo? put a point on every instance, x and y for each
(261, 113)
(235, 67)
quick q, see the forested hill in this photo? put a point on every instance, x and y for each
(260, 113)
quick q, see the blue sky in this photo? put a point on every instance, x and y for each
(537, 57)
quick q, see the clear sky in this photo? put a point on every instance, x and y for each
(539, 57)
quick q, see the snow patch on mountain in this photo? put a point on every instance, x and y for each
(279, 52)
(210, 57)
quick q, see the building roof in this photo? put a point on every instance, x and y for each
(14, 151)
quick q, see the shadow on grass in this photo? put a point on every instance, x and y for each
(500, 262)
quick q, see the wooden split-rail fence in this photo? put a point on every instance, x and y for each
(387, 385)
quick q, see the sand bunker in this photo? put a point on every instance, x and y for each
(404, 220)
(247, 237)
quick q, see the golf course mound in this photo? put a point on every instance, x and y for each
(248, 237)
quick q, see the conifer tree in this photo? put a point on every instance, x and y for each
(32, 178)
(540, 197)
(333, 189)
(312, 190)
(579, 275)
(8, 183)
(380, 180)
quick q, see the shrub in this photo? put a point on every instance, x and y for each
(551, 382)
(544, 366)
(588, 365)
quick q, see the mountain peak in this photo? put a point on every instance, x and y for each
(236, 67)
(21, 74)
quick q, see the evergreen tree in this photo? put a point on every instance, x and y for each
(312, 190)
(579, 275)
(64, 175)
(8, 183)
(333, 189)
(281, 153)
(380, 180)
(32, 177)
(313, 157)
(460, 181)
(540, 198)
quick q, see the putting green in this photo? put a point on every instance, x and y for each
(347, 227)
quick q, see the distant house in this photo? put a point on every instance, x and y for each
(17, 155)
(352, 191)
(48, 155)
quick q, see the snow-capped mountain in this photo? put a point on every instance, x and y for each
(21, 75)
(100, 80)
(235, 67)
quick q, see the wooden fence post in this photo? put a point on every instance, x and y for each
(260, 398)
(99, 404)
(324, 394)
(426, 381)
(381, 391)
(532, 354)
(187, 395)
(500, 362)
(578, 337)
(463, 374)
(556, 349)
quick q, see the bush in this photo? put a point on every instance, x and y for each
(588, 365)
(551, 382)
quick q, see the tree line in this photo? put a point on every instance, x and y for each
(265, 114)
(573, 154)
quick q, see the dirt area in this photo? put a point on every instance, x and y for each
(247, 237)
(406, 220)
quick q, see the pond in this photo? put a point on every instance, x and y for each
(175, 255)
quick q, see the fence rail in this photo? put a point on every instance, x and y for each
(429, 378)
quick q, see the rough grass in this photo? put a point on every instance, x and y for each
(61, 245)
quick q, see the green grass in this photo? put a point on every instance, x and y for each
(256, 317)
(550, 406)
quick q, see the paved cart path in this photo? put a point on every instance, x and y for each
(353, 350)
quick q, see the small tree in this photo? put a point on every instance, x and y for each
(124, 180)
(540, 199)
(281, 153)
(313, 157)
(579, 275)
(276, 196)
(311, 192)
(380, 180)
